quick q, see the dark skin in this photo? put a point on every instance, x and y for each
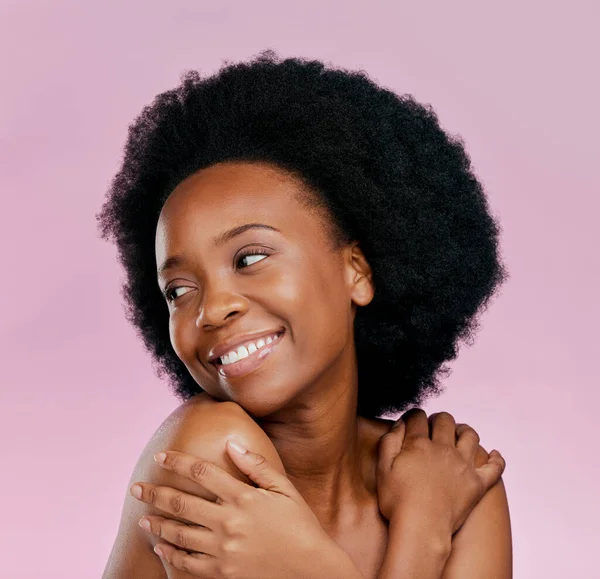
(304, 395)
(308, 409)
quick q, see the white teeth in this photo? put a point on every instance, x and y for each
(245, 351)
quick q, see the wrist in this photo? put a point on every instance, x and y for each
(432, 533)
(416, 549)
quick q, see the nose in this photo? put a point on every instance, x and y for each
(218, 305)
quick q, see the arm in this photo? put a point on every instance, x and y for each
(198, 427)
(132, 555)
(417, 548)
(480, 549)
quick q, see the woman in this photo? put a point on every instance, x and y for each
(304, 250)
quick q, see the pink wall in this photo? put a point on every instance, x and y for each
(78, 396)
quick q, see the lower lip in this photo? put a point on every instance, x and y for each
(251, 362)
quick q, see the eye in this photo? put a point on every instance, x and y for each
(250, 253)
(171, 294)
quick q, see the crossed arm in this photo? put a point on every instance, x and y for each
(480, 549)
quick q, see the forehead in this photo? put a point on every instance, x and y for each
(231, 194)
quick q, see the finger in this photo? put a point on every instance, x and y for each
(188, 537)
(442, 428)
(467, 441)
(390, 445)
(198, 564)
(191, 508)
(416, 423)
(206, 474)
(491, 472)
(257, 468)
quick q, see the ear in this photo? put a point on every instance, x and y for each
(359, 276)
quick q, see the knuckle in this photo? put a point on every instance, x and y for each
(386, 440)
(200, 470)
(181, 537)
(245, 498)
(420, 442)
(174, 461)
(185, 564)
(177, 504)
(229, 546)
(467, 431)
(152, 495)
(231, 526)
(445, 416)
(447, 452)
(158, 530)
(226, 571)
(471, 433)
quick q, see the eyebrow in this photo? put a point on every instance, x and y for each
(218, 241)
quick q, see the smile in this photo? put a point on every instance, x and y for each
(248, 357)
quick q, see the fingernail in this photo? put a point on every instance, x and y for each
(160, 457)
(158, 551)
(237, 447)
(136, 491)
(145, 524)
(398, 423)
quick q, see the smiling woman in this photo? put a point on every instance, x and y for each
(310, 249)
(295, 273)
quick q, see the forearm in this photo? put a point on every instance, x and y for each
(331, 561)
(416, 549)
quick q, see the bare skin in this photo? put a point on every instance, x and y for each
(304, 395)
(199, 427)
(299, 407)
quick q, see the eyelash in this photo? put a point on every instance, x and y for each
(245, 253)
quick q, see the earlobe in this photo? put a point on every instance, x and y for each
(363, 292)
(362, 287)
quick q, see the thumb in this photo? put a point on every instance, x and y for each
(257, 468)
(390, 445)
(491, 472)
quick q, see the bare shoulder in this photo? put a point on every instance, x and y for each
(483, 545)
(199, 427)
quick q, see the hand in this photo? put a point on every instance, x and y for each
(433, 477)
(250, 532)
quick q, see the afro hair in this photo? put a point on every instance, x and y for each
(380, 163)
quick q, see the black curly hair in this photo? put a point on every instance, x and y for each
(380, 163)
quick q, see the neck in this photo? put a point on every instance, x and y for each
(320, 443)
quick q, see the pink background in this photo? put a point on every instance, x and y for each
(79, 399)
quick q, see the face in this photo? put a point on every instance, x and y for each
(247, 268)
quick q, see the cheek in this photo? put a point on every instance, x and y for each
(314, 300)
(182, 338)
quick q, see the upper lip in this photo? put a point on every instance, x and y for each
(223, 348)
